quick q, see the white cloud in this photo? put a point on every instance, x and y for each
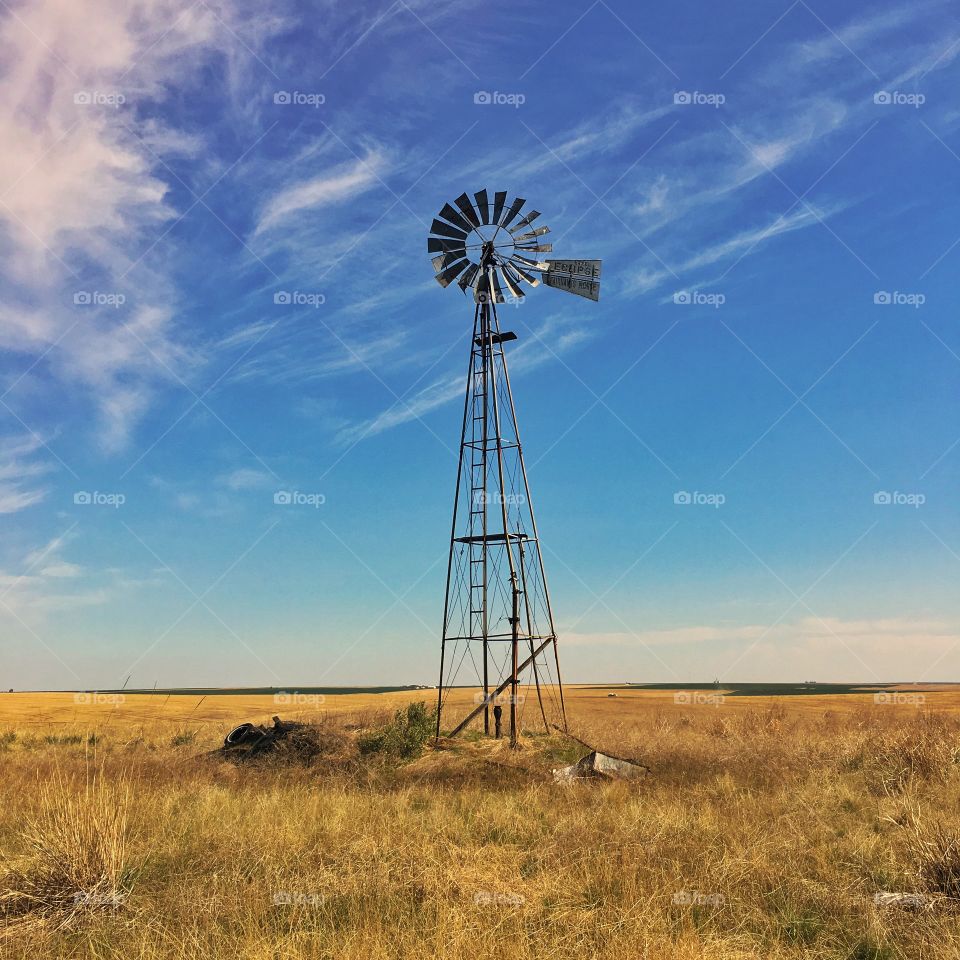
(37, 586)
(84, 196)
(870, 639)
(832, 648)
(246, 478)
(19, 476)
(341, 183)
(61, 569)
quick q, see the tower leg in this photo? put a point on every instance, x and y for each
(526, 604)
(514, 643)
(533, 524)
(453, 526)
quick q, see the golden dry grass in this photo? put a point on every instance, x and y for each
(764, 831)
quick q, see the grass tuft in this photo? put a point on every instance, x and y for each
(75, 855)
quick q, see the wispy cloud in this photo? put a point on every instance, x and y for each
(341, 183)
(246, 478)
(560, 334)
(39, 585)
(20, 485)
(811, 634)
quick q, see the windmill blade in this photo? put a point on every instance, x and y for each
(511, 281)
(436, 245)
(445, 259)
(463, 202)
(445, 230)
(536, 248)
(499, 199)
(450, 273)
(448, 213)
(468, 277)
(531, 234)
(483, 205)
(526, 221)
(532, 280)
(533, 264)
(513, 211)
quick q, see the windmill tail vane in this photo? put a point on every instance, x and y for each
(498, 634)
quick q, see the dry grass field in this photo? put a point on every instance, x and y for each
(765, 829)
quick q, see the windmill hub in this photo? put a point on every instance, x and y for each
(487, 254)
(497, 619)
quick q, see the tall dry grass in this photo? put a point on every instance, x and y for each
(760, 834)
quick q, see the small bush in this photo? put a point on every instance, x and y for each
(63, 739)
(403, 738)
(895, 759)
(938, 860)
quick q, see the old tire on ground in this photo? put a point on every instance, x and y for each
(239, 734)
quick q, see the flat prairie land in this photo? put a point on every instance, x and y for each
(769, 822)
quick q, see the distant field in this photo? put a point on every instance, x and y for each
(225, 707)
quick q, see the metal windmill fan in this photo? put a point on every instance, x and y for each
(487, 247)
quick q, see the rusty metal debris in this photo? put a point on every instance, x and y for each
(905, 901)
(600, 766)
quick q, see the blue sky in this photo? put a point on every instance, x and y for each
(754, 179)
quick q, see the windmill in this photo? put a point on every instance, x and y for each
(497, 622)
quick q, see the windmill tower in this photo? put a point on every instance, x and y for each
(498, 630)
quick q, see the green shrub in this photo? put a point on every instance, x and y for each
(403, 738)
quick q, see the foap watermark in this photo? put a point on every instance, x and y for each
(100, 899)
(298, 298)
(493, 898)
(895, 98)
(501, 299)
(684, 498)
(93, 698)
(297, 699)
(98, 298)
(494, 699)
(693, 898)
(497, 99)
(697, 698)
(897, 298)
(97, 498)
(696, 98)
(99, 98)
(899, 698)
(698, 298)
(897, 498)
(482, 497)
(296, 498)
(298, 98)
(293, 898)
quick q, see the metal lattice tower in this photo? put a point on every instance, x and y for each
(498, 629)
